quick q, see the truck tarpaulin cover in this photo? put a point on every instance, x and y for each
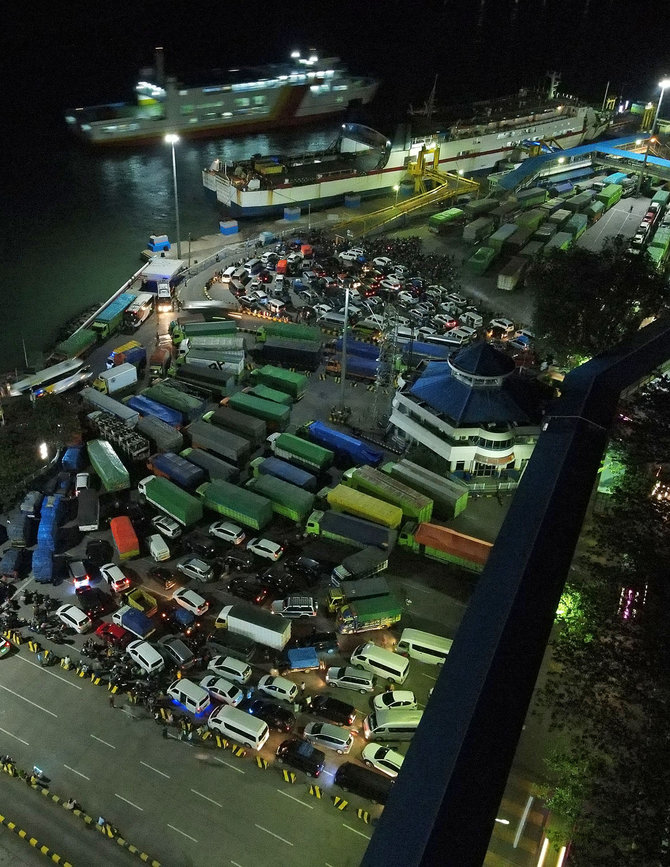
(444, 539)
(125, 537)
(338, 441)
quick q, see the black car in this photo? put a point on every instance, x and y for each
(93, 601)
(241, 561)
(99, 552)
(200, 544)
(322, 642)
(305, 569)
(275, 579)
(274, 715)
(333, 709)
(166, 578)
(248, 589)
(301, 755)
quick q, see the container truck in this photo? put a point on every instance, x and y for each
(116, 379)
(662, 197)
(358, 347)
(358, 367)
(214, 467)
(342, 444)
(351, 531)
(300, 451)
(289, 331)
(354, 591)
(274, 415)
(169, 498)
(134, 621)
(229, 363)
(159, 362)
(416, 350)
(560, 241)
(378, 484)
(217, 381)
(76, 346)
(271, 394)
(107, 464)
(285, 471)
(287, 499)
(88, 511)
(287, 381)
(127, 352)
(362, 565)
(576, 225)
(239, 504)
(439, 223)
(145, 406)
(181, 330)
(501, 235)
(191, 407)
(256, 624)
(109, 319)
(610, 195)
(125, 537)
(449, 496)
(163, 436)
(510, 274)
(302, 354)
(442, 543)
(368, 614)
(532, 196)
(177, 469)
(227, 445)
(98, 400)
(344, 499)
(254, 429)
(211, 343)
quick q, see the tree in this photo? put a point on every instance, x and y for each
(587, 302)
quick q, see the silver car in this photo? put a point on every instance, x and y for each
(350, 678)
(330, 736)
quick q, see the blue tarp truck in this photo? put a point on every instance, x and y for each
(343, 445)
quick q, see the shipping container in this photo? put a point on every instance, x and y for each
(177, 469)
(285, 471)
(253, 429)
(107, 464)
(230, 446)
(278, 378)
(275, 415)
(449, 496)
(238, 504)
(171, 499)
(344, 499)
(163, 436)
(125, 537)
(287, 499)
(214, 468)
(300, 451)
(383, 486)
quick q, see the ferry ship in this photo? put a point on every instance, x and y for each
(304, 90)
(363, 162)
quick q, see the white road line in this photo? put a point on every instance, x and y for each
(183, 833)
(211, 800)
(100, 740)
(235, 864)
(52, 673)
(328, 773)
(239, 770)
(15, 737)
(78, 773)
(360, 833)
(272, 834)
(428, 676)
(297, 800)
(28, 701)
(167, 776)
(121, 798)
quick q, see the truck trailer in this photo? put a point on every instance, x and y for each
(449, 496)
(300, 451)
(343, 445)
(88, 511)
(253, 429)
(443, 543)
(147, 407)
(361, 565)
(378, 484)
(98, 400)
(107, 464)
(273, 414)
(187, 404)
(109, 319)
(287, 499)
(354, 591)
(177, 469)
(285, 471)
(238, 504)
(216, 381)
(301, 354)
(213, 467)
(350, 530)
(360, 505)
(255, 623)
(227, 445)
(169, 498)
(294, 384)
(163, 436)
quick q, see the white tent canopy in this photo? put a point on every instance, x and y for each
(162, 269)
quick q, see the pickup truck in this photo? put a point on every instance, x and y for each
(134, 621)
(143, 601)
(300, 659)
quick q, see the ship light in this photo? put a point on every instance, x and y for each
(295, 55)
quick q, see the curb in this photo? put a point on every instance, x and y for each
(53, 856)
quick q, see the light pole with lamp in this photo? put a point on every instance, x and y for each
(397, 190)
(640, 177)
(172, 139)
(663, 84)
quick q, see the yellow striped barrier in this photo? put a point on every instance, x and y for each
(340, 803)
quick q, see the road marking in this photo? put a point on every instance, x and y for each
(167, 777)
(272, 834)
(121, 798)
(239, 770)
(111, 746)
(428, 676)
(183, 833)
(16, 738)
(235, 864)
(52, 673)
(360, 833)
(78, 773)
(28, 701)
(297, 800)
(211, 800)
(328, 773)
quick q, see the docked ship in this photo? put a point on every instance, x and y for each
(362, 162)
(302, 91)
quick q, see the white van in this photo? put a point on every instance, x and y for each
(331, 319)
(252, 265)
(276, 307)
(147, 657)
(471, 319)
(391, 666)
(158, 548)
(424, 646)
(461, 335)
(193, 697)
(239, 726)
(227, 275)
(395, 724)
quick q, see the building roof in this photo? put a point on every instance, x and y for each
(482, 359)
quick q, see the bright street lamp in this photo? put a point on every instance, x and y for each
(397, 190)
(663, 84)
(172, 139)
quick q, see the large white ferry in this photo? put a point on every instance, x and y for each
(234, 101)
(362, 162)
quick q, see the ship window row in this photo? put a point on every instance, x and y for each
(240, 102)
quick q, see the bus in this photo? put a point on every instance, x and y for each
(139, 311)
(52, 380)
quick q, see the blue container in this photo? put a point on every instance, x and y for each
(352, 200)
(228, 227)
(72, 459)
(291, 214)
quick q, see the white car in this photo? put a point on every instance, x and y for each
(278, 687)
(391, 284)
(194, 567)
(222, 690)
(348, 256)
(82, 482)
(191, 601)
(462, 334)
(115, 577)
(167, 526)
(445, 320)
(383, 759)
(320, 309)
(350, 678)
(407, 297)
(458, 300)
(74, 617)
(504, 325)
(400, 270)
(382, 262)
(227, 532)
(230, 668)
(265, 548)
(395, 698)
(426, 331)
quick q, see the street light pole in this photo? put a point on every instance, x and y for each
(397, 190)
(172, 139)
(640, 177)
(343, 363)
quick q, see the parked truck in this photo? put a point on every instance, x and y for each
(169, 498)
(294, 384)
(358, 347)
(238, 504)
(163, 436)
(88, 511)
(125, 537)
(229, 363)
(301, 354)
(510, 274)
(287, 499)
(159, 362)
(350, 530)
(366, 615)
(213, 467)
(360, 565)
(98, 400)
(288, 331)
(211, 343)
(355, 591)
(271, 394)
(285, 471)
(134, 621)
(131, 352)
(257, 624)
(449, 496)
(227, 445)
(187, 404)
(359, 367)
(344, 446)
(274, 415)
(77, 345)
(141, 600)
(360, 505)
(109, 319)
(443, 543)
(116, 379)
(300, 451)
(107, 464)
(177, 469)
(253, 429)
(216, 381)
(146, 406)
(180, 330)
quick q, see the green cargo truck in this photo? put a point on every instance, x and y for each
(109, 320)
(532, 196)
(171, 499)
(368, 614)
(610, 195)
(287, 499)
(253, 429)
(289, 331)
(180, 330)
(499, 237)
(107, 464)
(449, 496)
(76, 345)
(360, 505)
(274, 415)
(445, 544)
(354, 591)
(531, 219)
(441, 222)
(559, 217)
(481, 259)
(292, 383)
(504, 213)
(301, 452)
(238, 504)
(595, 211)
(560, 241)
(579, 203)
(662, 197)
(379, 484)
(271, 394)
(185, 403)
(576, 225)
